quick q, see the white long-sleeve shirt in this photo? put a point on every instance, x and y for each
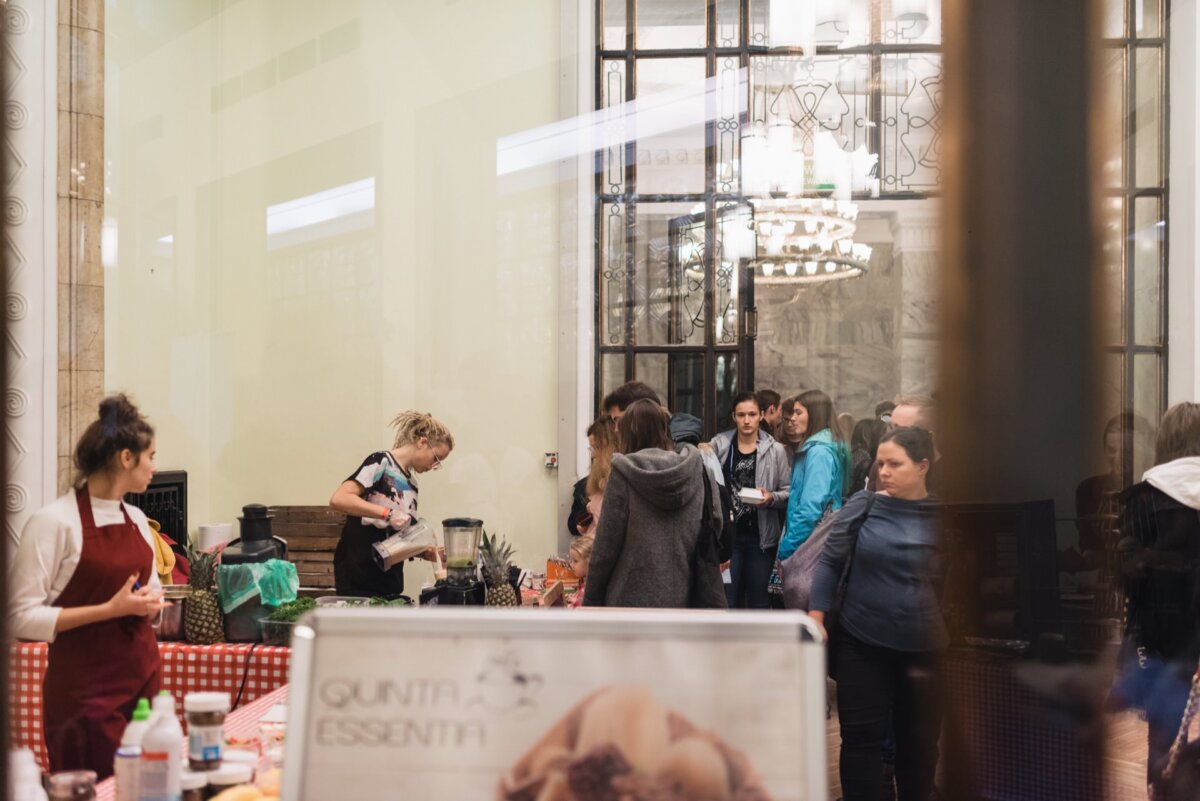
(50, 548)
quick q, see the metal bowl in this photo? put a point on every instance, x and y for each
(169, 624)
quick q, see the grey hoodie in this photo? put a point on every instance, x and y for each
(647, 530)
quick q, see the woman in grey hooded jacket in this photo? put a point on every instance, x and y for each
(650, 521)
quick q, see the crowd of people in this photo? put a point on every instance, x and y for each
(785, 468)
(789, 468)
(790, 483)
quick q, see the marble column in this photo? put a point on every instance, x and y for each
(80, 213)
(916, 238)
(30, 255)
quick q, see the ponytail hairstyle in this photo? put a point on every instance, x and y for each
(916, 442)
(411, 426)
(119, 427)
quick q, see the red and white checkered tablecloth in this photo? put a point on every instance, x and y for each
(185, 669)
(241, 724)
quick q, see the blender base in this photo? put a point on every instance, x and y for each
(445, 594)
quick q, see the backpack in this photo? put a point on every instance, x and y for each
(728, 533)
(800, 568)
(706, 587)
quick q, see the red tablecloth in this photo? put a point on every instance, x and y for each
(185, 669)
(240, 724)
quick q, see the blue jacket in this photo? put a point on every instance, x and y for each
(817, 480)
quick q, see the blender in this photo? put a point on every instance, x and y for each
(462, 586)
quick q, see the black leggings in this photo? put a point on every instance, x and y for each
(870, 682)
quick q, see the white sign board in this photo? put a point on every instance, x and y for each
(524, 705)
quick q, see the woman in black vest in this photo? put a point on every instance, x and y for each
(1160, 527)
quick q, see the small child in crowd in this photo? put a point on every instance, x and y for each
(581, 552)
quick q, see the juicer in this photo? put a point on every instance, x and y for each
(461, 586)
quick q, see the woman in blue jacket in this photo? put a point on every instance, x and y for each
(819, 474)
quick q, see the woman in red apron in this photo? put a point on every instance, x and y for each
(84, 580)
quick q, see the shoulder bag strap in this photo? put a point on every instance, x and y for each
(855, 528)
(1189, 714)
(706, 512)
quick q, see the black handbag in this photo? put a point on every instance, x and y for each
(706, 589)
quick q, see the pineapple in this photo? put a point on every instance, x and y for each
(203, 623)
(495, 555)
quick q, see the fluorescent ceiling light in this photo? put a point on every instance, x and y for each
(684, 106)
(320, 207)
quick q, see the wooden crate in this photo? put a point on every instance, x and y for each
(312, 534)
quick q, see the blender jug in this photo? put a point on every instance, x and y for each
(410, 541)
(462, 535)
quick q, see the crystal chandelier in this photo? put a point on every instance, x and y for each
(807, 240)
(795, 174)
(803, 219)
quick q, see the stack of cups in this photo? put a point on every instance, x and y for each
(213, 535)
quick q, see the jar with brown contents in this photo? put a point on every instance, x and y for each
(193, 786)
(206, 728)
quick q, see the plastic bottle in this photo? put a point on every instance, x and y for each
(129, 755)
(25, 777)
(138, 725)
(160, 768)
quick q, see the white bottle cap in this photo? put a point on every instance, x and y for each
(206, 702)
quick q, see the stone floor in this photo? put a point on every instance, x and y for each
(1126, 758)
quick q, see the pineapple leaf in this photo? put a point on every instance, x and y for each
(202, 567)
(495, 556)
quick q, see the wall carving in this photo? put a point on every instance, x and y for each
(15, 114)
(16, 307)
(17, 19)
(16, 402)
(16, 498)
(15, 211)
(30, 301)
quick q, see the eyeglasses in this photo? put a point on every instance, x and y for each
(437, 463)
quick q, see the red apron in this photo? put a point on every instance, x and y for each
(97, 672)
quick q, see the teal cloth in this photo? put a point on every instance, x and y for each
(275, 580)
